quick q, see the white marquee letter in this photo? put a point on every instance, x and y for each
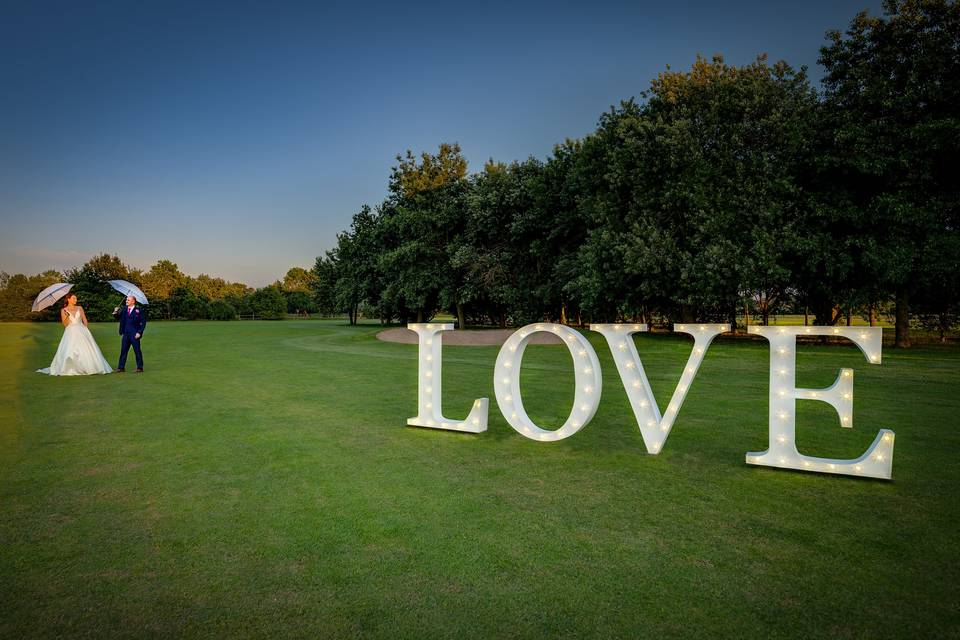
(586, 370)
(428, 386)
(876, 462)
(654, 428)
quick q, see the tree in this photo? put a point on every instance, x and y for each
(97, 297)
(268, 303)
(222, 310)
(694, 196)
(184, 304)
(411, 177)
(214, 288)
(508, 250)
(323, 283)
(297, 279)
(937, 299)
(159, 283)
(300, 302)
(417, 226)
(17, 293)
(892, 87)
(348, 275)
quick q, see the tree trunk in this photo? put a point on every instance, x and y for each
(848, 317)
(873, 316)
(461, 317)
(419, 315)
(902, 301)
(806, 316)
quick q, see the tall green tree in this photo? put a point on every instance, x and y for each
(694, 196)
(297, 279)
(323, 283)
(268, 303)
(159, 283)
(892, 87)
(89, 280)
(17, 293)
(418, 228)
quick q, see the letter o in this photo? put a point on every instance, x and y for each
(506, 382)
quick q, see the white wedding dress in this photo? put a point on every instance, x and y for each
(78, 353)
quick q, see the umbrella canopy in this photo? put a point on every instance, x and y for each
(129, 289)
(50, 295)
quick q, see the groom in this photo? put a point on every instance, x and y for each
(133, 320)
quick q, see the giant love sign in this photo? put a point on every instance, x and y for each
(781, 452)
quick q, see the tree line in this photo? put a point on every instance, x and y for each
(172, 293)
(723, 191)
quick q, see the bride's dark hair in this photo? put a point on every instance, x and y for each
(66, 299)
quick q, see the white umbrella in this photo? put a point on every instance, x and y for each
(129, 289)
(50, 295)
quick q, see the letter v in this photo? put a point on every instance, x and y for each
(654, 427)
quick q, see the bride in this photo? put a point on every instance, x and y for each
(78, 353)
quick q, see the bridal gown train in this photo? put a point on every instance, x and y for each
(78, 353)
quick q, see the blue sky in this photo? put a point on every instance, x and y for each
(238, 138)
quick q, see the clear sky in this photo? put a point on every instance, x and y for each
(238, 138)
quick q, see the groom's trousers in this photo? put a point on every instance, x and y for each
(127, 342)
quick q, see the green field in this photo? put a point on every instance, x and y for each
(258, 481)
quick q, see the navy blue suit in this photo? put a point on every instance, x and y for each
(131, 324)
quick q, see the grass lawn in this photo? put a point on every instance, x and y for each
(258, 481)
